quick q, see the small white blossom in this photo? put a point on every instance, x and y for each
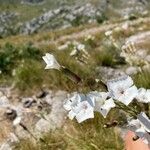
(108, 33)
(143, 95)
(141, 127)
(101, 103)
(74, 52)
(122, 89)
(89, 37)
(51, 62)
(80, 106)
(80, 47)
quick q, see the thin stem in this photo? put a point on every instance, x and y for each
(125, 108)
(71, 75)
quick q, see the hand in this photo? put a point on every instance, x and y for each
(134, 145)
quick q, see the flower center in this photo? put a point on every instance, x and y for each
(144, 98)
(121, 91)
(84, 106)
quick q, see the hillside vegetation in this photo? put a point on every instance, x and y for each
(22, 66)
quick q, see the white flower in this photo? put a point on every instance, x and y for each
(122, 89)
(102, 104)
(74, 52)
(85, 111)
(80, 47)
(73, 101)
(98, 98)
(141, 127)
(80, 106)
(143, 95)
(89, 37)
(51, 62)
(106, 107)
(108, 33)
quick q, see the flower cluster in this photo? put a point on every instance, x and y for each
(82, 106)
(122, 90)
(110, 36)
(120, 93)
(79, 52)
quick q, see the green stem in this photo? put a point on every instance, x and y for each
(127, 109)
(72, 76)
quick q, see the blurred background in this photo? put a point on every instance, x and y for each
(87, 37)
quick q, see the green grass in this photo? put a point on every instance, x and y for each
(12, 56)
(27, 12)
(142, 79)
(29, 75)
(27, 66)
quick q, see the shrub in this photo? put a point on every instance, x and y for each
(11, 56)
(8, 58)
(29, 75)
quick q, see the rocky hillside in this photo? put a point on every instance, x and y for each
(95, 39)
(63, 15)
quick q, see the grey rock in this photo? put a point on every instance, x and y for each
(6, 23)
(5, 146)
(33, 1)
(108, 73)
(55, 118)
(131, 70)
(62, 17)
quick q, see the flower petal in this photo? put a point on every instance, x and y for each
(144, 120)
(84, 115)
(51, 62)
(71, 114)
(104, 110)
(128, 95)
(86, 112)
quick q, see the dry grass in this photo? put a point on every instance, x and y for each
(30, 74)
(90, 135)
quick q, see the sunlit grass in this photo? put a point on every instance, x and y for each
(142, 79)
(26, 67)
